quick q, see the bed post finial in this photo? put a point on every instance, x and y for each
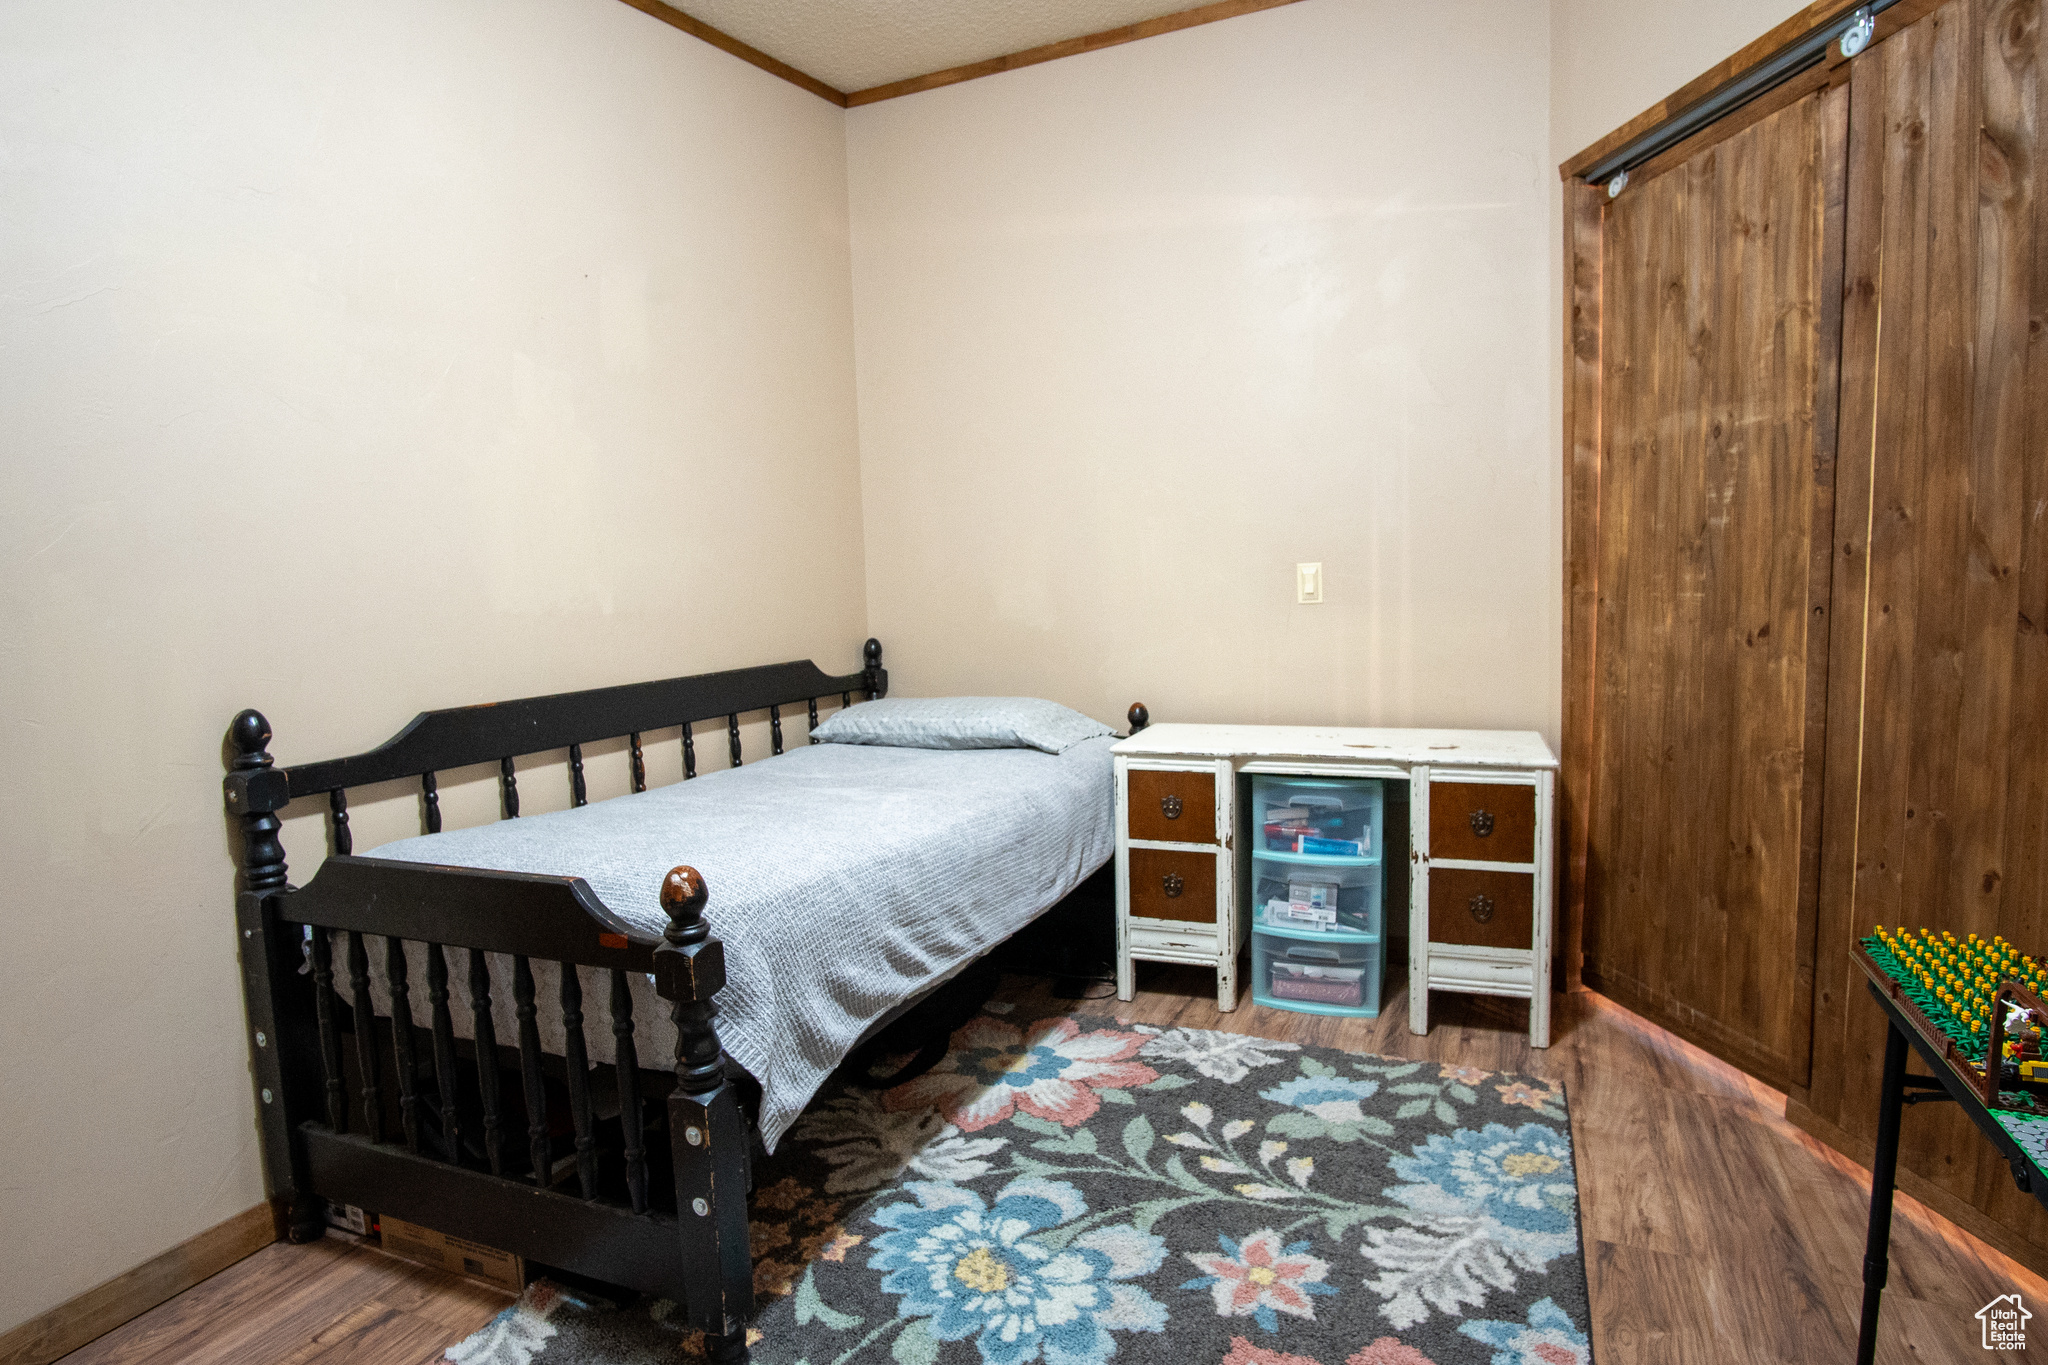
(255, 790)
(708, 1135)
(874, 677)
(1138, 716)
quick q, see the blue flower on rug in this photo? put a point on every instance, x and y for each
(1519, 1176)
(979, 1269)
(1547, 1338)
(1333, 1099)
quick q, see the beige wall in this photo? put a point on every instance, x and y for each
(357, 357)
(383, 354)
(1139, 330)
(1612, 59)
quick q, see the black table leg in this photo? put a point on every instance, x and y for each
(1884, 1172)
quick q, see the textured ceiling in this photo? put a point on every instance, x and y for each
(855, 44)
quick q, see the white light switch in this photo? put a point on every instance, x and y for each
(1308, 582)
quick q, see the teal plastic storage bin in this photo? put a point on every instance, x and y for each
(1317, 972)
(1319, 817)
(1318, 887)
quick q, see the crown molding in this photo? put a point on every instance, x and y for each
(1069, 47)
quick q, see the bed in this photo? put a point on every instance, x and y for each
(450, 1029)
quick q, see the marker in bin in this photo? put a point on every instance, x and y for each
(1291, 839)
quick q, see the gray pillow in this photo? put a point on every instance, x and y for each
(961, 723)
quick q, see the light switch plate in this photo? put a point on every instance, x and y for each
(1308, 583)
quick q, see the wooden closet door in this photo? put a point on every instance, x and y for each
(1719, 281)
(1937, 782)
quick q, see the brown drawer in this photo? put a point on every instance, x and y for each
(1481, 909)
(1172, 807)
(1491, 822)
(1171, 885)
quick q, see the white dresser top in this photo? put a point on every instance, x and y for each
(1459, 748)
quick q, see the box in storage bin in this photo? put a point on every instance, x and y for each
(1292, 970)
(1343, 817)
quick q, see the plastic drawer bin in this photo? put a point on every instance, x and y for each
(1319, 816)
(1317, 972)
(1353, 892)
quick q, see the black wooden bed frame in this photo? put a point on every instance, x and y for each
(659, 1161)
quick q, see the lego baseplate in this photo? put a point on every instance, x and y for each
(1948, 987)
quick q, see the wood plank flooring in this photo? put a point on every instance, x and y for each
(1715, 1231)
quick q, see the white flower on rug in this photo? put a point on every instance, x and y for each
(1485, 1203)
(515, 1336)
(1450, 1263)
(1226, 1057)
(872, 1145)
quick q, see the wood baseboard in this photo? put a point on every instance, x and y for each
(100, 1310)
(1963, 1215)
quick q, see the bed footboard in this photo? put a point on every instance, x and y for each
(617, 1173)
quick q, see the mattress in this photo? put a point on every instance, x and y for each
(843, 880)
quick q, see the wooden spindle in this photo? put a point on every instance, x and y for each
(626, 1071)
(845, 700)
(508, 788)
(639, 765)
(337, 807)
(530, 1075)
(814, 720)
(430, 791)
(395, 971)
(366, 1035)
(732, 737)
(689, 753)
(872, 677)
(330, 1032)
(256, 791)
(485, 1028)
(576, 1059)
(444, 1053)
(578, 795)
(775, 729)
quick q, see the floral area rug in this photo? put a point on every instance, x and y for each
(1075, 1190)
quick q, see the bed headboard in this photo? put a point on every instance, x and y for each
(499, 732)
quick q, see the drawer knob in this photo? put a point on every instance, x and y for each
(1169, 806)
(1172, 885)
(1481, 908)
(1482, 823)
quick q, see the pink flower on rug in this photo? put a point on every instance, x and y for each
(1242, 1352)
(1387, 1351)
(1526, 1095)
(1053, 1071)
(1260, 1276)
(1464, 1075)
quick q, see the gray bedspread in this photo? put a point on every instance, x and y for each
(843, 879)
